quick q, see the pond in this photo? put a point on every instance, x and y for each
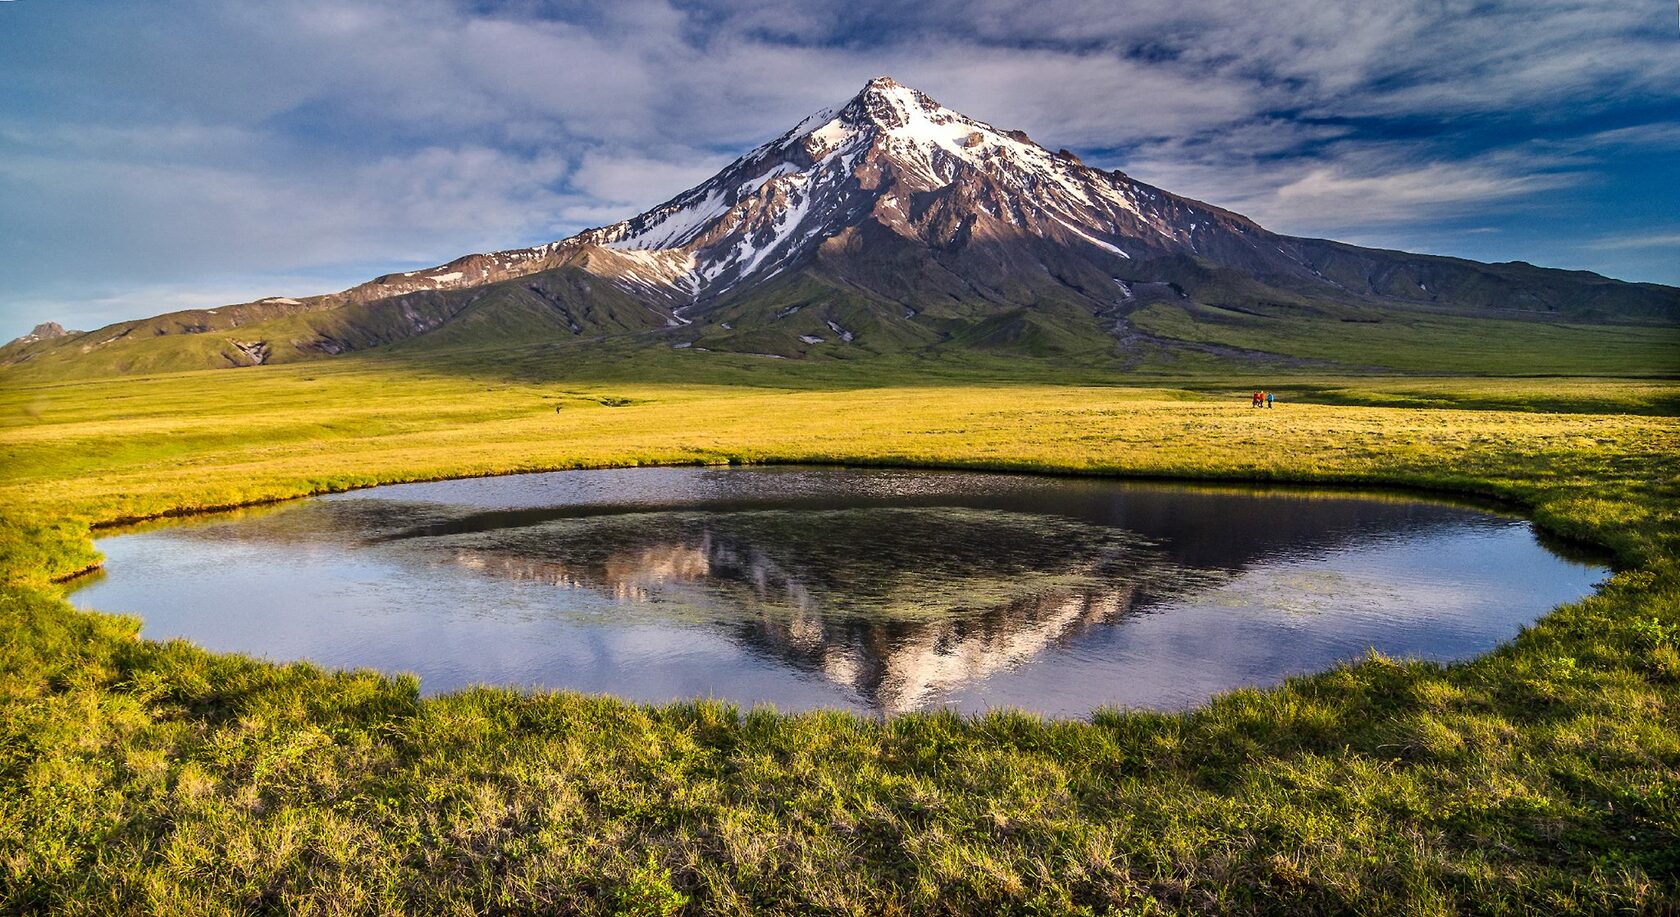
(881, 591)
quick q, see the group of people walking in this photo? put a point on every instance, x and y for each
(1263, 399)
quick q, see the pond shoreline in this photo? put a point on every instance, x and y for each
(928, 586)
(1468, 495)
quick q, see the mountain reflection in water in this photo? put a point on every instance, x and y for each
(898, 605)
(886, 591)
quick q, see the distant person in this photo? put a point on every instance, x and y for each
(1269, 399)
(1256, 400)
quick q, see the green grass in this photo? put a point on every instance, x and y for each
(1429, 343)
(156, 777)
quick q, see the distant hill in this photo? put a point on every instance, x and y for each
(894, 225)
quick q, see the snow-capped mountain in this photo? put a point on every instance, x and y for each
(891, 157)
(996, 209)
(888, 222)
(875, 158)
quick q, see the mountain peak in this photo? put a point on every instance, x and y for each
(46, 331)
(862, 164)
(890, 105)
(886, 90)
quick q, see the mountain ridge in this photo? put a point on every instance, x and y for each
(920, 226)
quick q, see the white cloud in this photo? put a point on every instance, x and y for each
(1358, 187)
(632, 182)
(1434, 189)
(151, 221)
(1619, 243)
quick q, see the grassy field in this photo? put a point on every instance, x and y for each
(139, 776)
(1425, 342)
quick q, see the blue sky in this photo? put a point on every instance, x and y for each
(166, 155)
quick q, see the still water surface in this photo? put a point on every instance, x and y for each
(877, 590)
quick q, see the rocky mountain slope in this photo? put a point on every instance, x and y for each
(890, 223)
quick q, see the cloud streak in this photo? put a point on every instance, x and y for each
(1660, 240)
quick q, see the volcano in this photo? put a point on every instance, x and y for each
(887, 224)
